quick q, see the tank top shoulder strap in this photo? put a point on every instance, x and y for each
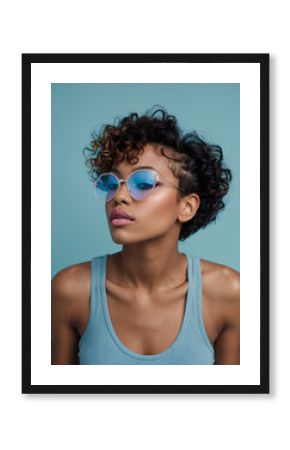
(95, 284)
(197, 300)
(94, 295)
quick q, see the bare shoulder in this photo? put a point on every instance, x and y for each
(220, 279)
(221, 298)
(221, 285)
(69, 293)
(72, 283)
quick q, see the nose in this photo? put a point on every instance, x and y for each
(123, 193)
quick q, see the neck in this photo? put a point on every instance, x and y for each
(150, 268)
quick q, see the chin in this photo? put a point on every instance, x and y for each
(118, 241)
(122, 240)
(130, 240)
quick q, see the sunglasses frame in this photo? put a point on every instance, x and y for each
(157, 176)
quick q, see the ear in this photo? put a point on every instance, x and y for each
(188, 207)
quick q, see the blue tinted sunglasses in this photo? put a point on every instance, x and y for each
(139, 183)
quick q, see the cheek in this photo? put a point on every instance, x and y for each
(161, 205)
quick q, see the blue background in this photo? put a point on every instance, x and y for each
(79, 225)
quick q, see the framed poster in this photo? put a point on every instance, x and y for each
(147, 303)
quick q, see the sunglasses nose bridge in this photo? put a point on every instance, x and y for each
(119, 191)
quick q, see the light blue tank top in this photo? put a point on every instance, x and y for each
(100, 344)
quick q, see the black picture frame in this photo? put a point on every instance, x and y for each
(260, 59)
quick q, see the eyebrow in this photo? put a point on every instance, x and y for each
(134, 170)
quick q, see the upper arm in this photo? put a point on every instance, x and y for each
(64, 337)
(227, 345)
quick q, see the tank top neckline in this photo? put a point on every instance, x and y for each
(109, 324)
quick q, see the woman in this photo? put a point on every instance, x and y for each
(150, 304)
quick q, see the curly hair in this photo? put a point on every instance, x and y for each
(197, 165)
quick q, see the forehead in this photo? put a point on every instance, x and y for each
(151, 157)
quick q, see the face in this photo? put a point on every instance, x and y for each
(156, 215)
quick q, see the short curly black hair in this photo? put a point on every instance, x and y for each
(197, 165)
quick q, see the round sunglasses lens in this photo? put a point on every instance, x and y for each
(141, 183)
(106, 187)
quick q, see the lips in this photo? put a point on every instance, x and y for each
(120, 214)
